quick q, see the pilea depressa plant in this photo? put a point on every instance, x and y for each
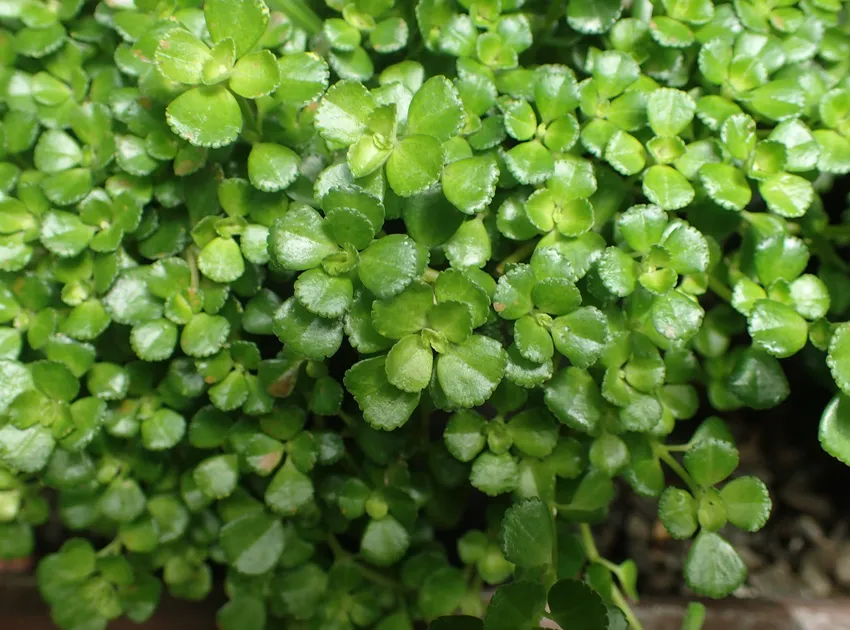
(360, 307)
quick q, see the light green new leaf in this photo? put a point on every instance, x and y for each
(344, 112)
(581, 335)
(711, 460)
(787, 195)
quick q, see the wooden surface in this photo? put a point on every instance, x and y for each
(22, 609)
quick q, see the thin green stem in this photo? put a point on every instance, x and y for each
(370, 574)
(719, 288)
(519, 254)
(112, 549)
(621, 603)
(592, 553)
(191, 258)
(255, 133)
(665, 456)
(837, 231)
(346, 417)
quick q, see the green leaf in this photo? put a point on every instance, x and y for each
(625, 153)
(205, 116)
(494, 474)
(757, 380)
(573, 604)
(243, 21)
(255, 75)
(344, 112)
(55, 380)
(409, 364)
(384, 542)
(530, 162)
(415, 164)
(777, 328)
(618, 272)
(217, 476)
(154, 340)
(122, 501)
(298, 240)
(713, 568)
(163, 430)
(676, 316)
(221, 260)
(470, 246)
(526, 534)
(383, 405)
(245, 612)
(747, 502)
(470, 184)
(390, 264)
(513, 297)
(710, 461)
(738, 133)
(593, 16)
(517, 605)
(834, 430)
(204, 335)
(642, 226)
(436, 110)
(309, 335)
(465, 435)
(677, 510)
(469, 372)
(787, 195)
(687, 247)
(574, 398)
(56, 151)
(272, 167)
(252, 543)
(181, 56)
(324, 295)
(667, 188)
(533, 340)
(27, 450)
(726, 185)
(669, 111)
(581, 335)
(64, 234)
(303, 77)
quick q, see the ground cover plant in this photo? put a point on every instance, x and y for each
(286, 290)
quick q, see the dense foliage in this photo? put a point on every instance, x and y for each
(290, 291)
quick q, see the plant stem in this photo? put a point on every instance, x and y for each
(191, 257)
(621, 603)
(300, 14)
(520, 254)
(719, 288)
(370, 574)
(593, 555)
(837, 231)
(250, 118)
(665, 456)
